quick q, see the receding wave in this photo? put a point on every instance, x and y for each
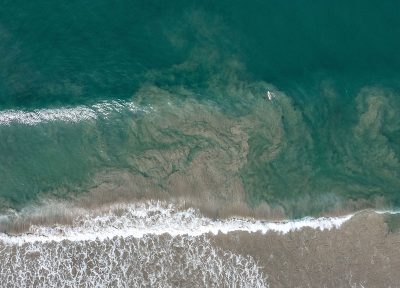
(74, 114)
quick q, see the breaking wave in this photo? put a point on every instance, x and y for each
(156, 218)
(74, 114)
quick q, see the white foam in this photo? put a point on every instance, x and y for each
(151, 261)
(391, 212)
(139, 220)
(75, 114)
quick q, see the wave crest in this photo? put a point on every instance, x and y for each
(74, 114)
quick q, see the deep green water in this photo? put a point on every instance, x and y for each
(331, 134)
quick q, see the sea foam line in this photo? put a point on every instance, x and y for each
(390, 212)
(70, 114)
(139, 220)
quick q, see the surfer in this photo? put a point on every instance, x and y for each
(270, 95)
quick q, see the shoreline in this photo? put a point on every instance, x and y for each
(158, 218)
(341, 251)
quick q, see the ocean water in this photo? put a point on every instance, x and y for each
(266, 109)
(80, 84)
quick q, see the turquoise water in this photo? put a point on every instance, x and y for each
(195, 70)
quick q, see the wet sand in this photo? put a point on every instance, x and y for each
(362, 253)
